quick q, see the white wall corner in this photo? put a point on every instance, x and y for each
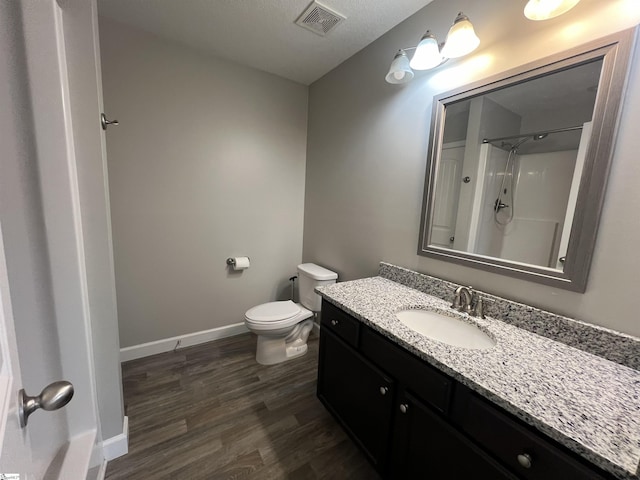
(117, 446)
(188, 340)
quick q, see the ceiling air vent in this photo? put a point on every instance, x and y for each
(319, 19)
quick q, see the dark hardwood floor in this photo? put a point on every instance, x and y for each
(212, 412)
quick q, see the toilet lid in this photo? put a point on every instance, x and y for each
(269, 312)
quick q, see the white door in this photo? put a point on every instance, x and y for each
(573, 194)
(447, 194)
(45, 330)
(14, 442)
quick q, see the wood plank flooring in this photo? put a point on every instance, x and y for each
(212, 412)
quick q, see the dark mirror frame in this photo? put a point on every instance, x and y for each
(615, 51)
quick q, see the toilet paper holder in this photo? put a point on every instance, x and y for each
(232, 261)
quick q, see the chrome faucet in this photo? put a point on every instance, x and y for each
(467, 301)
(462, 299)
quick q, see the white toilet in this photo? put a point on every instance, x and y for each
(283, 327)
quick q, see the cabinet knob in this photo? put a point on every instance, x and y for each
(404, 408)
(383, 390)
(524, 459)
(334, 322)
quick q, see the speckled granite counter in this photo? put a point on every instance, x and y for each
(585, 402)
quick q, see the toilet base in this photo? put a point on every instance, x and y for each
(273, 350)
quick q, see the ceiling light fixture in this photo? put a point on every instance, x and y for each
(545, 9)
(461, 40)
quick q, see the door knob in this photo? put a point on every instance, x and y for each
(524, 459)
(52, 397)
(105, 123)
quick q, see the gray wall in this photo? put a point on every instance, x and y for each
(366, 156)
(208, 162)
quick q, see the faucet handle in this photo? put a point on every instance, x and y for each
(478, 306)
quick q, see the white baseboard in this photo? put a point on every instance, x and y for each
(117, 446)
(74, 462)
(316, 328)
(102, 471)
(168, 344)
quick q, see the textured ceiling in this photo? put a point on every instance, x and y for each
(262, 33)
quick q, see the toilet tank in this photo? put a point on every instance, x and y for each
(311, 276)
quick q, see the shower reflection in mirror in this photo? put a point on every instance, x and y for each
(524, 149)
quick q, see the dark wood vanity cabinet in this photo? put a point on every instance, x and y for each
(426, 446)
(415, 422)
(358, 394)
(515, 445)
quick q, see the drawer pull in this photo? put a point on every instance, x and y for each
(334, 322)
(524, 459)
(404, 408)
(383, 390)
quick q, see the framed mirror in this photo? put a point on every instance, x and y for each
(518, 165)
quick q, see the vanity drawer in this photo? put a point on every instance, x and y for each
(341, 323)
(432, 386)
(520, 449)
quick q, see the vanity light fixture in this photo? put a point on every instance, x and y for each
(461, 40)
(545, 9)
(400, 71)
(427, 53)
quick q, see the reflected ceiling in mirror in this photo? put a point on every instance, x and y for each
(517, 166)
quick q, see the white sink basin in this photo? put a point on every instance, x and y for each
(443, 328)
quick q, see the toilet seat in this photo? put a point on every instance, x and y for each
(272, 311)
(275, 315)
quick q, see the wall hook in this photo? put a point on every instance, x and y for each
(105, 123)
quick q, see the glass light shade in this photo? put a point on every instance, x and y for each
(399, 72)
(461, 39)
(427, 54)
(545, 9)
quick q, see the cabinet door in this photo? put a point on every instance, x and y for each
(427, 447)
(517, 446)
(358, 394)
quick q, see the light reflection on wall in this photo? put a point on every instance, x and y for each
(460, 74)
(613, 12)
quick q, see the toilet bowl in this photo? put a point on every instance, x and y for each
(283, 327)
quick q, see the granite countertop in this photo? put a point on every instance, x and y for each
(585, 402)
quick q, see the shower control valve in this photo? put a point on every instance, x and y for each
(498, 205)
